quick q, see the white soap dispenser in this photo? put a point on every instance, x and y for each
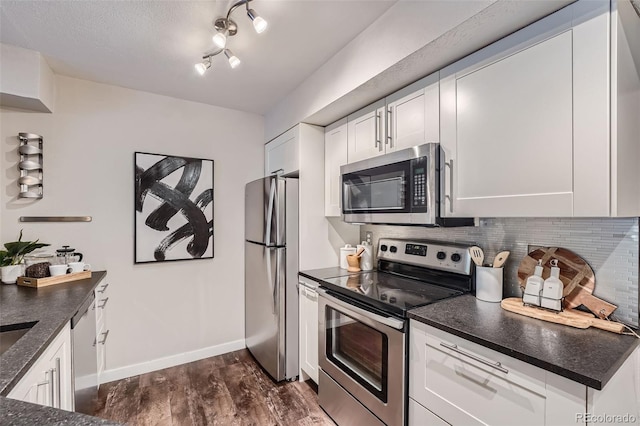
(533, 286)
(552, 289)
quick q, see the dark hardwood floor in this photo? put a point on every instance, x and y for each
(229, 389)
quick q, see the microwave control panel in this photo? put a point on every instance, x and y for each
(419, 180)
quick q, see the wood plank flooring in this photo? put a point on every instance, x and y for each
(229, 389)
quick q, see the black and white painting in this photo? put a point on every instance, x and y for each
(173, 208)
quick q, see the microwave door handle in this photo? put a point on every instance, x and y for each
(272, 199)
(377, 124)
(389, 140)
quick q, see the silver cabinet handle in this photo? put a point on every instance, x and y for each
(46, 382)
(51, 389)
(449, 196)
(377, 124)
(275, 172)
(495, 365)
(104, 303)
(95, 341)
(103, 288)
(105, 334)
(311, 295)
(389, 140)
(58, 385)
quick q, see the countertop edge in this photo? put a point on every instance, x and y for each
(98, 276)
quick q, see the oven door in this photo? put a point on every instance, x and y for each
(364, 352)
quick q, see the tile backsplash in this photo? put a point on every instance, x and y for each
(610, 246)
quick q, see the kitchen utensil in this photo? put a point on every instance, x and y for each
(360, 251)
(366, 260)
(576, 275)
(500, 258)
(568, 317)
(489, 284)
(354, 263)
(344, 252)
(477, 255)
(66, 252)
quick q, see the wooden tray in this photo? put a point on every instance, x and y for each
(568, 317)
(576, 276)
(43, 282)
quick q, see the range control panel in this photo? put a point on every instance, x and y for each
(427, 254)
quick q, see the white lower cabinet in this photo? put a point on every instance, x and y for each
(462, 383)
(308, 332)
(49, 381)
(102, 332)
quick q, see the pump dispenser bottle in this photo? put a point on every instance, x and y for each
(534, 286)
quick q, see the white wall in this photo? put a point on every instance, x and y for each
(155, 310)
(403, 29)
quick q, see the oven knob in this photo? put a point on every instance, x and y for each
(383, 248)
(393, 249)
(456, 257)
(441, 255)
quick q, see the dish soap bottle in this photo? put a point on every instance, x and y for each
(552, 289)
(534, 286)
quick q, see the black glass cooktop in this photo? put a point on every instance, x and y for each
(389, 292)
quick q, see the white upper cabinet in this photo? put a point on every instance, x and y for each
(281, 155)
(335, 155)
(525, 122)
(404, 119)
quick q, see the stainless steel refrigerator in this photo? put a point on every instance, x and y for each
(271, 274)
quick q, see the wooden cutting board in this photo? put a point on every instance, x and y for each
(43, 282)
(568, 317)
(576, 276)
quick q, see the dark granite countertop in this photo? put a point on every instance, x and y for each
(590, 356)
(14, 413)
(51, 308)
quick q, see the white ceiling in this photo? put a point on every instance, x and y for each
(153, 45)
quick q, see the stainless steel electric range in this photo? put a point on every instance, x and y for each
(363, 334)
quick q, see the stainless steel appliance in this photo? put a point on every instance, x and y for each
(271, 274)
(84, 357)
(401, 187)
(363, 335)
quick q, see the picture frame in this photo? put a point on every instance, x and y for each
(173, 208)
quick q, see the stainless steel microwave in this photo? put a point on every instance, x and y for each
(399, 188)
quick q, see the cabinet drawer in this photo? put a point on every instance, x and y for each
(465, 383)
(420, 416)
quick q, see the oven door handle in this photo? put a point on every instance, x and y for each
(391, 322)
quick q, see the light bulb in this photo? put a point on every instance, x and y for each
(202, 67)
(220, 40)
(233, 59)
(258, 23)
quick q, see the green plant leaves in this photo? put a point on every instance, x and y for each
(16, 250)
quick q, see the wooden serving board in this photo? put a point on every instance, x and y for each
(43, 282)
(568, 317)
(576, 276)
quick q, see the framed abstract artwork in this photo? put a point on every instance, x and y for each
(173, 208)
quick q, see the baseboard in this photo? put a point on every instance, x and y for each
(170, 361)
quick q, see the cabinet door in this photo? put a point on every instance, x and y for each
(413, 115)
(366, 131)
(335, 155)
(61, 376)
(281, 155)
(309, 332)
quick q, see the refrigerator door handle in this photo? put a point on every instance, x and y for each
(276, 288)
(270, 279)
(272, 199)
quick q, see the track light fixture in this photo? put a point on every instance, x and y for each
(225, 28)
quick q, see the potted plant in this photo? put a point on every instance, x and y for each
(11, 258)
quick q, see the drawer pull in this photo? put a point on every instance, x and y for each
(103, 288)
(104, 303)
(105, 334)
(495, 365)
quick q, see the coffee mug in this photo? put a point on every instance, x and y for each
(79, 267)
(57, 270)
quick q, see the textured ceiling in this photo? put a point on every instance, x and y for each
(153, 45)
